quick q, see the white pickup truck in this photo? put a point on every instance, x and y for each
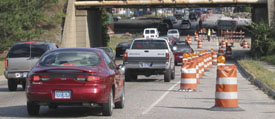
(148, 57)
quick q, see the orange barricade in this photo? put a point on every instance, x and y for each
(226, 88)
(223, 44)
(188, 76)
(214, 58)
(221, 51)
(209, 60)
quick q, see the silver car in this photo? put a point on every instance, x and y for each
(20, 60)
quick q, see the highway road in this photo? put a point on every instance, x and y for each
(152, 98)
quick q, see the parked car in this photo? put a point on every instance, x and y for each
(21, 58)
(179, 48)
(121, 48)
(150, 33)
(170, 21)
(75, 76)
(169, 39)
(173, 33)
(193, 16)
(185, 24)
(109, 52)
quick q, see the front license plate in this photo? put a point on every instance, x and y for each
(62, 94)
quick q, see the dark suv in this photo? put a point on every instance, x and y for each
(20, 60)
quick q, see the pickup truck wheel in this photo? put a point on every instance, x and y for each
(12, 84)
(167, 75)
(33, 108)
(173, 73)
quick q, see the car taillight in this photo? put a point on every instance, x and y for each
(167, 56)
(6, 63)
(36, 78)
(81, 78)
(93, 78)
(125, 55)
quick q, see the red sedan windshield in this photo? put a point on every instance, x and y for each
(71, 58)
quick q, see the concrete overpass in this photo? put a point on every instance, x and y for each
(83, 26)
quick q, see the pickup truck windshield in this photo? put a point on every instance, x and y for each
(149, 44)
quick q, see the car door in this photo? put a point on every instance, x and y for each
(115, 75)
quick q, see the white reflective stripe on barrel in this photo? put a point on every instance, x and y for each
(189, 81)
(189, 70)
(214, 60)
(214, 55)
(226, 95)
(228, 80)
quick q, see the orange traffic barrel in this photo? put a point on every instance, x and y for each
(221, 51)
(228, 52)
(214, 57)
(245, 44)
(196, 37)
(188, 76)
(223, 44)
(226, 98)
(199, 43)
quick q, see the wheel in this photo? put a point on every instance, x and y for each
(33, 108)
(130, 76)
(173, 73)
(23, 85)
(108, 107)
(12, 84)
(167, 75)
(120, 104)
(53, 106)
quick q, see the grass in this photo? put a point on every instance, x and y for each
(268, 59)
(116, 38)
(259, 72)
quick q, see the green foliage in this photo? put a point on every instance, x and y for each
(23, 20)
(269, 59)
(104, 25)
(263, 38)
(242, 9)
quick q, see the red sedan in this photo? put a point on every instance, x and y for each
(75, 76)
(179, 48)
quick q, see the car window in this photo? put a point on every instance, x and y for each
(108, 61)
(172, 32)
(182, 49)
(71, 58)
(149, 44)
(181, 43)
(152, 31)
(147, 31)
(27, 50)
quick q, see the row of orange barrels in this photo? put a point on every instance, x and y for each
(230, 42)
(193, 67)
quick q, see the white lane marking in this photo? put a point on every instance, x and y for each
(161, 98)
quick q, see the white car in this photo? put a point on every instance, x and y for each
(150, 33)
(174, 33)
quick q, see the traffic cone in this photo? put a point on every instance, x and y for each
(226, 98)
(214, 58)
(228, 52)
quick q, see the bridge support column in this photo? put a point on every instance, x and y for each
(82, 32)
(271, 11)
(259, 13)
(95, 28)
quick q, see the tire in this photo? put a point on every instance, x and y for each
(173, 73)
(33, 108)
(108, 107)
(167, 75)
(129, 76)
(120, 104)
(12, 84)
